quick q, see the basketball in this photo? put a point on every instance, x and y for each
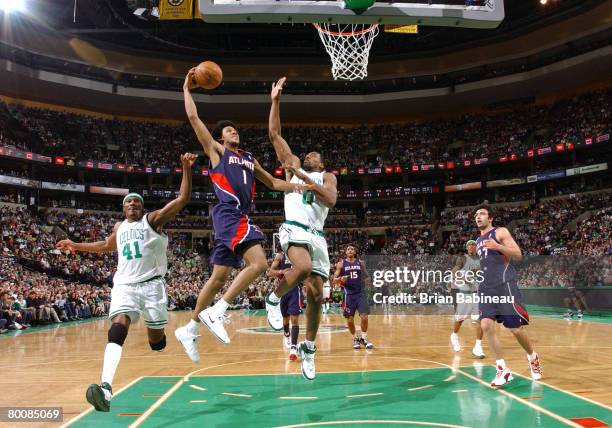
(208, 75)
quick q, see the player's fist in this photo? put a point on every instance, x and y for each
(490, 244)
(188, 159)
(65, 245)
(277, 88)
(190, 81)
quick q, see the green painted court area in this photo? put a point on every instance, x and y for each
(379, 398)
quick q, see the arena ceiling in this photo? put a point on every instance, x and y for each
(112, 23)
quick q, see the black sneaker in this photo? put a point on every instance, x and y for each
(357, 343)
(98, 397)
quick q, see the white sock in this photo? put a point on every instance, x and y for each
(112, 355)
(310, 344)
(532, 356)
(500, 363)
(364, 335)
(454, 336)
(193, 326)
(274, 298)
(221, 306)
(478, 343)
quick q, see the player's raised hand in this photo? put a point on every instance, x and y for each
(277, 88)
(190, 82)
(188, 159)
(490, 244)
(65, 245)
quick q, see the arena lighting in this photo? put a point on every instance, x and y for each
(9, 6)
(543, 2)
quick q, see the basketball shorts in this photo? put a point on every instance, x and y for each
(326, 290)
(512, 315)
(466, 310)
(313, 240)
(291, 303)
(355, 303)
(148, 298)
(234, 234)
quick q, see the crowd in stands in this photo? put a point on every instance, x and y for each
(471, 137)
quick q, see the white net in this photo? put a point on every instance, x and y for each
(348, 46)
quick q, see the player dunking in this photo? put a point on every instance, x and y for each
(352, 275)
(496, 249)
(290, 304)
(233, 172)
(301, 235)
(138, 284)
(464, 310)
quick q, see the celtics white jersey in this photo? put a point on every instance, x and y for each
(142, 252)
(470, 263)
(304, 207)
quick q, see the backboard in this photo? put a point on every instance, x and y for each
(452, 13)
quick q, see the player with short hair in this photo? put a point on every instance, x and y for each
(351, 275)
(233, 172)
(301, 235)
(139, 286)
(291, 305)
(496, 249)
(464, 310)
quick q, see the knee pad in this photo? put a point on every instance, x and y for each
(159, 346)
(117, 333)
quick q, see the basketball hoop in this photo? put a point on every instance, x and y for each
(348, 46)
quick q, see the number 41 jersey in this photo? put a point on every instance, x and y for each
(142, 252)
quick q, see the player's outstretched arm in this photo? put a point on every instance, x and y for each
(276, 184)
(282, 149)
(168, 213)
(327, 193)
(336, 279)
(107, 246)
(213, 149)
(507, 245)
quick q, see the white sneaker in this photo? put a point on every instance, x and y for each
(307, 356)
(478, 352)
(287, 341)
(215, 324)
(535, 368)
(189, 342)
(293, 353)
(455, 342)
(273, 312)
(502, 377)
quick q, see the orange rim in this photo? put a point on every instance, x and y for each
(345, 33)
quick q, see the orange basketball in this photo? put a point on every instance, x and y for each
(208, 75)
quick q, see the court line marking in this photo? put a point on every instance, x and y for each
(298, 398)
(374, 421)
(373, 394)
(90, 409)
(420, 387)
(198, 401)
(597, 403)
(199, 388)
(460, 390)
(451, 377)
(155, 405)
(233, 394)
(525, 402)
